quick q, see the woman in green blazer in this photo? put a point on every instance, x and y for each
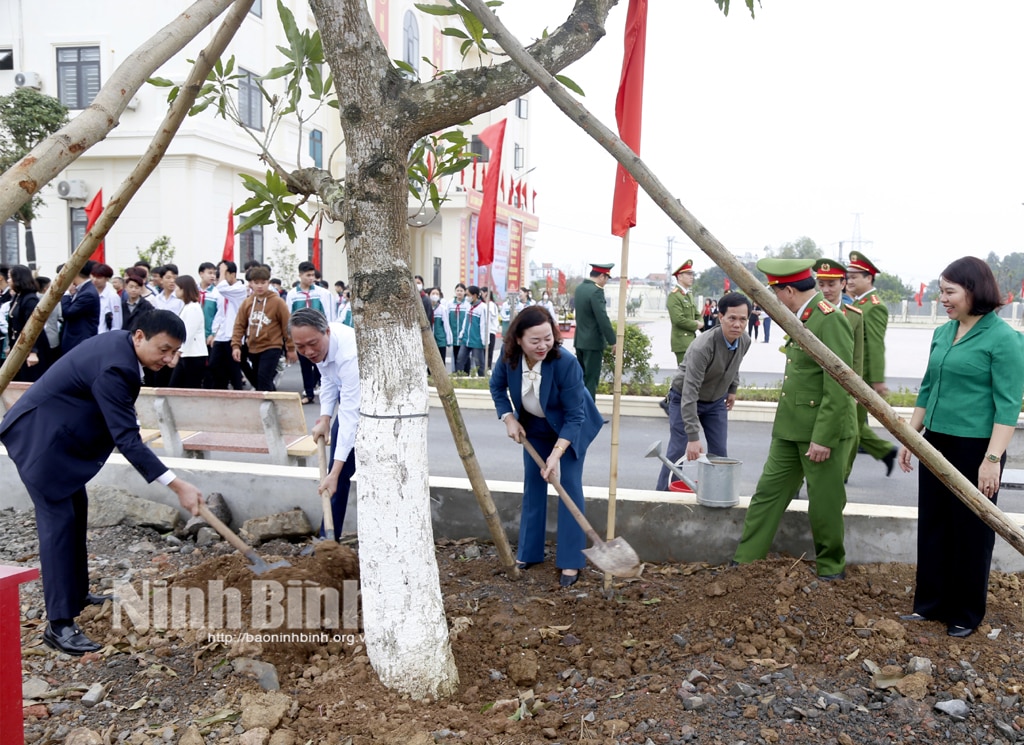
(968, 405)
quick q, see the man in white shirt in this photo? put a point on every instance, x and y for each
(310, 295)
(166, 299)
(332, 348)
(231, 291)
(110, 302)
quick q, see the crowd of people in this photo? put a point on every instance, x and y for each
(213, 330)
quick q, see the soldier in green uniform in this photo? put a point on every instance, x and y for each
(594, 329)
(861, 283)
(832, 281)
(682, 311)
(813, 431)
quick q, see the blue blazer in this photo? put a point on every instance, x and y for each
(569, 409)
(61, 432)
(81, 316)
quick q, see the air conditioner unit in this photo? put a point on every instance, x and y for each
(28, 80)
(73, 189)
(133, 103)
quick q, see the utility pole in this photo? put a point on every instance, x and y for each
(668, 264)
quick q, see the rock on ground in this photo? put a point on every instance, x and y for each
(109, 505)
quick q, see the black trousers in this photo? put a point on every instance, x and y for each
(63, 558)
(310, 376)
(264, 368)
(224, 370)
(954, 546)
(189, 372)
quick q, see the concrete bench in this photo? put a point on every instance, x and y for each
(192, 422)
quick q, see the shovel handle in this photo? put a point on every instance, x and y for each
(227, 533)
(566, 499)
(325, 496)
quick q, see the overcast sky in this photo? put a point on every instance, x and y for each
(792, 124)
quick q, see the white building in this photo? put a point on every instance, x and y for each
(67, 53)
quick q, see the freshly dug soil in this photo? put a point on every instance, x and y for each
(763, 653)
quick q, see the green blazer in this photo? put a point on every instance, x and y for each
(876, 320)
(685, 318)
(812, 405)
(856, 318)
(593, 327)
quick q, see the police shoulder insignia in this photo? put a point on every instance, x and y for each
(806, 314)
(853, 308)
(875, 300)
(862, 301)
(826, 307)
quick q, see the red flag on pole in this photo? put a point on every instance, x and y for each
(561, 282)
(533, 201)
(229, 240)
(728, 284)
(316, 247)
(919, 296)
(493, 136)
(549, 282)
(628, 113)
(92, 213)
(1009, 298)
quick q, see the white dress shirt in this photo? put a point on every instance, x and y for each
(339, 386)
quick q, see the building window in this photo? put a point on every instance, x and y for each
(6, 59)
(250, 245)
(476, 145)
(79, 227)
(9, 248)
(257, 8)
(411, 41)
(309, 249)
(522, 108)
(316, 147)
(520, 157)
(250, 101)
(78, 76)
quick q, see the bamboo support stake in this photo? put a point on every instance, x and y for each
(620, 350)
(129, 187)
(861, 391)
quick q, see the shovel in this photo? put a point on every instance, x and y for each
(615, 557)
(258, 565)
(325, 496)
(657, 450)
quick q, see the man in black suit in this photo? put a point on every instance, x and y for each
(60, 433)
(81, 310)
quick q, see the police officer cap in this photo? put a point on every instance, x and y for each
(861, 263)
(829, 269)
(784, 271)
(686, 266)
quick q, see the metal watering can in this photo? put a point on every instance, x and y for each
(717, 484)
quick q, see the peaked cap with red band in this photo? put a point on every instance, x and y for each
(602, 268)
(686, 266)
(784, 271)
(829, 269)
(861, 263)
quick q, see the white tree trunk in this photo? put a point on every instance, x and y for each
(403, 615)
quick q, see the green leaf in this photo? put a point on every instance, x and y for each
(291, 29)
(404, 66)
(260, 217)
(160, 82)
(229, 68)
(570, 84)
(457, 33)
(435, 10)
(199, 107)
(280, 72)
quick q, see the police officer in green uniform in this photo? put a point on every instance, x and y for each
(813, 431)
(861, 283)
(832, 282)
(682, 311)
(594, 329)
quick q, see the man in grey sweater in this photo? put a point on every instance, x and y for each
(704, 388)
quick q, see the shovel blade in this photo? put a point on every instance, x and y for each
(616, 557)
(259, 566)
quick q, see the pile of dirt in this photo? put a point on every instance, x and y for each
(762, 653)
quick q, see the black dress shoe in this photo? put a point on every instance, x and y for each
(568, 580)
(913, 617)
(93, 599)
(527, 564)
(663, 403)
(959, 631)
(889, 459)
(70, 640)
(733, 563)
(832, 577)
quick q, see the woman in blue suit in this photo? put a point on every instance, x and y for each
(538, 391)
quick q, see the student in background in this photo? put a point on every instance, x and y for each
(191, 367)
(262, 324)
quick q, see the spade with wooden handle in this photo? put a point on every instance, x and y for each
(325, 495)
(257, 564)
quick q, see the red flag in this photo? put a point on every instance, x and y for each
(628, 113)
(92, 213)
(727, 284)
(229, 240)
(533, 201)
(919, 297)
(549, 283)
(1009, 298)
(475, 164)
(561, 282)
(316, 247)
(493, 137)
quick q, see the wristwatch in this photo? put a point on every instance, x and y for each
(991, 458)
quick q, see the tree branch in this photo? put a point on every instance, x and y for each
(119, 201)
(853, 383)
(55, 153)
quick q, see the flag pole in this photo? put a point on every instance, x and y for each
(620, 344)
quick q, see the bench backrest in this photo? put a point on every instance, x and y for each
(230, 412)
(11, 394)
